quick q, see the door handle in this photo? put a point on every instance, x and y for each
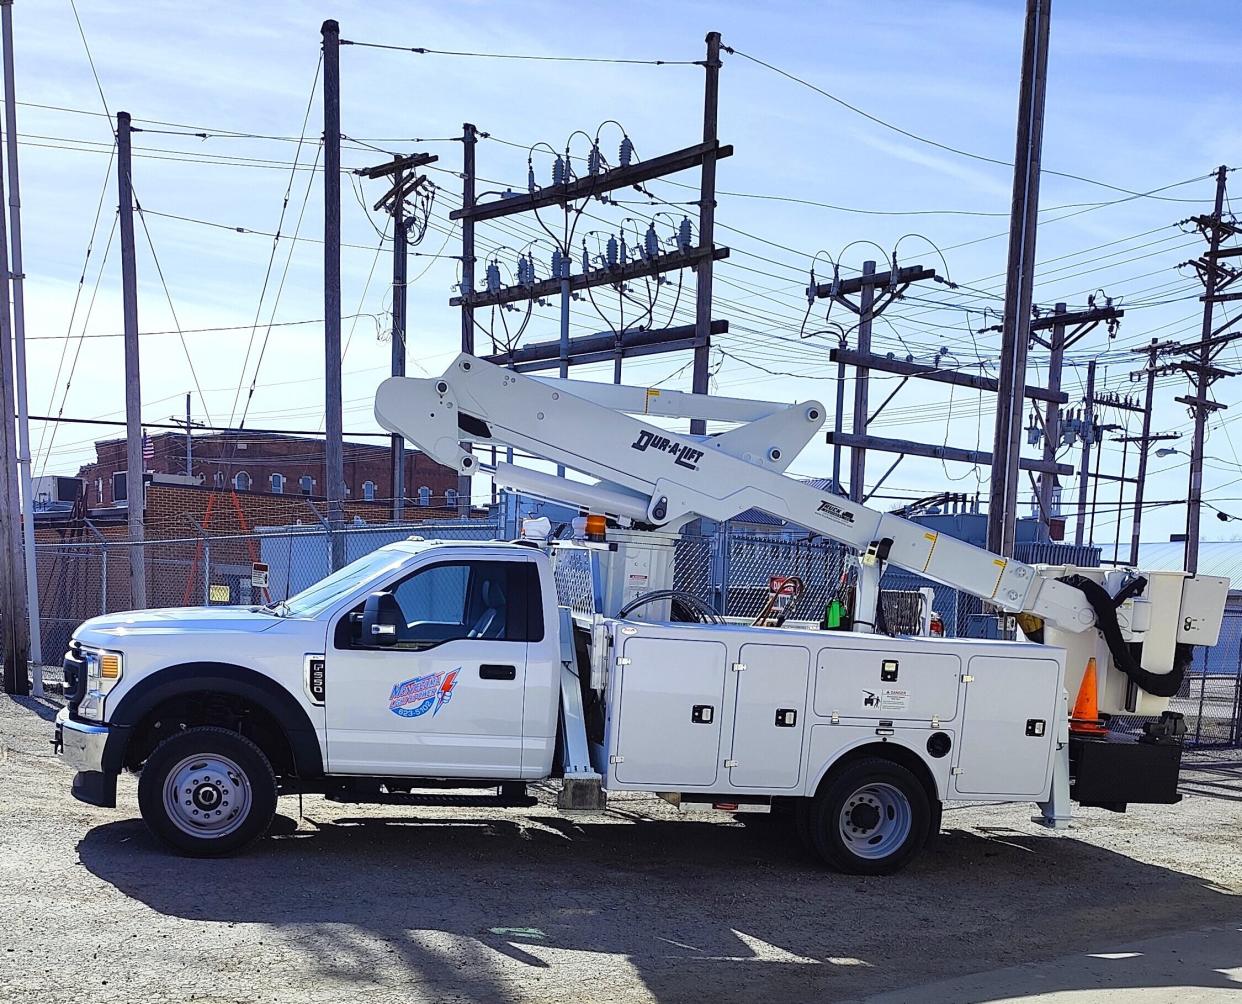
(490, 671)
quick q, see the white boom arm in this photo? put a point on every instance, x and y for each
(657, 477)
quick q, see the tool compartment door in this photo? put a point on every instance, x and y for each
(768, 717)
(671, 703)
(901, 681)
(1003, 749)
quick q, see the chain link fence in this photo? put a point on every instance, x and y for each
(730, 569)
(81, 580)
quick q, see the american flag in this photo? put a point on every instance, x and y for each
(148, 448)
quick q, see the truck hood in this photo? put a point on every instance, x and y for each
(111, 629)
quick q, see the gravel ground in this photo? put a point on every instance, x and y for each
(630, 905)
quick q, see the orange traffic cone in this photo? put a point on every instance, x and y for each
(1085, 720)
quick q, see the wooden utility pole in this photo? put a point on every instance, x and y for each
(334, 453)
(469, 141)
(1058, 342)
(707, 226)
(135, 489)
(19, 345)
(1024, 218)
(862, 380)
(1052, 421)
(1084, 470)
(868, 307)
(842, 344)
(1145, 440)
(1217, 274)
(1203, 373)
(189, 441)
(400, 261)
(13, 601)
(403, 185)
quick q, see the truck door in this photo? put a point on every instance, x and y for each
(446, 699)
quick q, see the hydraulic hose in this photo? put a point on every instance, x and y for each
(695, 603)
(1105, 607)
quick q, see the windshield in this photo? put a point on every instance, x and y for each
(367, 569)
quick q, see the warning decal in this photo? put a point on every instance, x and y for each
(886, 700)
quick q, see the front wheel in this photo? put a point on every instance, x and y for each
(207, 792)
(870, 818)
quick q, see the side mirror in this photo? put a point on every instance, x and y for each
(381, 620)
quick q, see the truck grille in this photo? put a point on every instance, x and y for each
(75, 677)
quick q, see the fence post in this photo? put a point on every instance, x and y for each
(722, 567)
(206, 571)
(1235, 726)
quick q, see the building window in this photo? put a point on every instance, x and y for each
(368, 491)
(99, 491)
(218, 479)
(424, 496)
(450, 498)
(119, 493)
(278, 484)
(242, 481)
(306, 483)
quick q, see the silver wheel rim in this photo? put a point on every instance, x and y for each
(207, 796)
(875, 821)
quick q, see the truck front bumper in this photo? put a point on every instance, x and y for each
(82, 746)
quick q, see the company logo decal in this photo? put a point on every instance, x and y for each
(687, 456)
(416, 697)
(827, 508)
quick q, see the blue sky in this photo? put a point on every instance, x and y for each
(1139, 97)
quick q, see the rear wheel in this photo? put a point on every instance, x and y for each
(869, 818)
(207, 792)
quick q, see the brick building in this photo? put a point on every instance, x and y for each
(268, 464)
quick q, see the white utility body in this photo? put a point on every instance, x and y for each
(437, 664)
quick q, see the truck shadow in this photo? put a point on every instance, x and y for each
(481, 907)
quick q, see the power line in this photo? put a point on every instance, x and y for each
(279, 290)
(91, 59)
(420, 51)
(944, 146)
(61, 420)
(171, 309)
(73, 366)
(195, 331)
(267, 233)
(271, 258)
(77, 296)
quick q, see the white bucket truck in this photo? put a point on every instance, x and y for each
(431, 665)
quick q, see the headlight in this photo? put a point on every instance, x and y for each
(103, 672)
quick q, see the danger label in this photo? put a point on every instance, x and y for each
(886, 700)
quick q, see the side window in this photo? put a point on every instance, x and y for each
(435, 597)
(469, 600)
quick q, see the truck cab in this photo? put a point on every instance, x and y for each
(419, 660)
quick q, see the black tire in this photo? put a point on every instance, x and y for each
(229, 799)
(937, 821)
(887, 825)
